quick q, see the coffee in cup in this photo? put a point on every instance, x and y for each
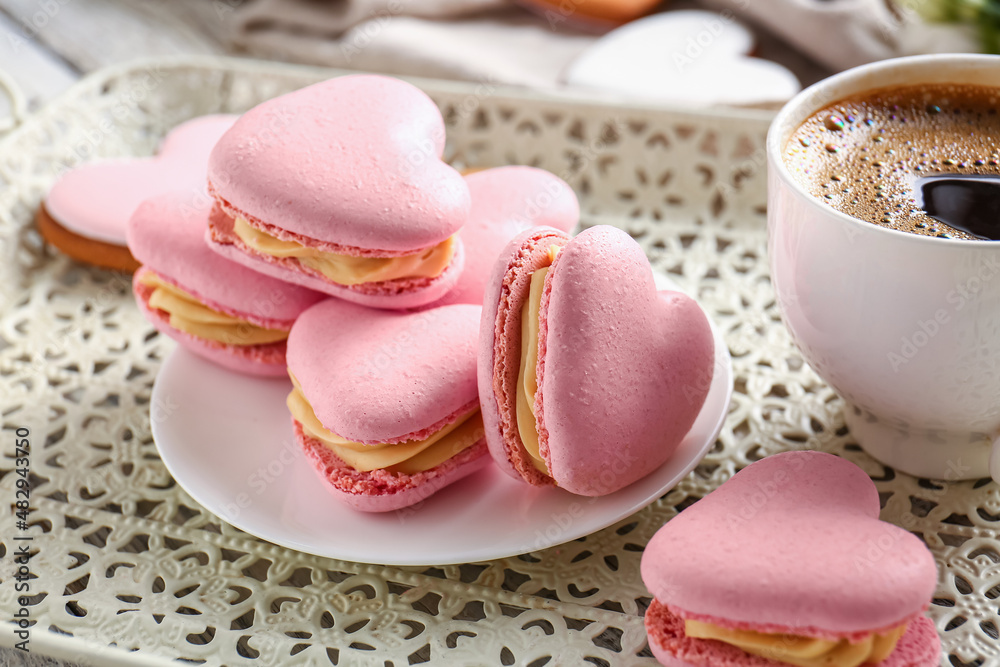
(922, 159)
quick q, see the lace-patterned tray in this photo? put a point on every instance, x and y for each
(130, 570)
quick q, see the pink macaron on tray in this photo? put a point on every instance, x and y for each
(176, 514)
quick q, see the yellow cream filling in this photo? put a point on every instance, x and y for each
(802, 651)
(527, 378)
(347, 269)
(191, 316)
(408, 457)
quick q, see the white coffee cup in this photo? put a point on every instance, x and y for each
(906, 328)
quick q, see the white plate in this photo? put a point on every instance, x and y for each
(227, 440)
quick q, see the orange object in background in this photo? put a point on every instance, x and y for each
(592, 14)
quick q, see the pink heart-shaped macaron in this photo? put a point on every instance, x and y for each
(351, 167)
(791, 545)
(167, 234)
(505, 202)
(386, 377)
(622, 370)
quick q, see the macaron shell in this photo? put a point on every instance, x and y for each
(354, 160)
(262, 360)
(376, 376)
(95, 200)
(919, 647)
(505, 202)
(500, 345)
(797, 535)
(381, 491)
(623, 370)
(167, 234)
(391, 295)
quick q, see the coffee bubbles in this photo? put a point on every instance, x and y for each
(884, 155)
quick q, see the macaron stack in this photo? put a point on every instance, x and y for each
(334, 244)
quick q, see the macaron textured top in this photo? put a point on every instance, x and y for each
(791, 546)
(352, 163)
(384, 403)
(340, 187)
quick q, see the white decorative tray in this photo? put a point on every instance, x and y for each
(130, 570)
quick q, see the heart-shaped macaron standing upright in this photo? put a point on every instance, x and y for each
(792, 545)
(505, 202)
(692, 58)
(384, 380)
(218, 309)
(86, 211)
(622, 370)
(340, 187)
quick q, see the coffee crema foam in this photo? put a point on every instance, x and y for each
(864, 154)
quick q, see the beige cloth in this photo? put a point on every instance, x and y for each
(331, 18)
(841, 34)
(478, 40)
(496, 41)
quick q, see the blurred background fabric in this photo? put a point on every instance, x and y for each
(479, 40)
(500, 42)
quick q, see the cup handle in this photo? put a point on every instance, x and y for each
(995, 459)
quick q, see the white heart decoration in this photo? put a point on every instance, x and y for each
(690, 58)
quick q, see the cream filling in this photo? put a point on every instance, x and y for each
(408, 457)
(191, 316)
(527, 378)
(348, 269)
(802, 651)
